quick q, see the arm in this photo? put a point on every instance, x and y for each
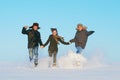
(24, 30)
(90, 32)
(72, 40)
(62, 41)
(40, 41)
(47, 42)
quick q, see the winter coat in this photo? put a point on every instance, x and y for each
(81, 38)
(54, 44)
(34, 37)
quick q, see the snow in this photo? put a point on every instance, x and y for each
(66, 70)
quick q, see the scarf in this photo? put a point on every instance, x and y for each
(57, 38)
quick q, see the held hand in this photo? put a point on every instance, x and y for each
(41, 46)
(70, 43)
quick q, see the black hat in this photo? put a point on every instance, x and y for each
(52, 29)
(35, 24)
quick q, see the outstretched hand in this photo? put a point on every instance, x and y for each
(25, 27)
(41, 46)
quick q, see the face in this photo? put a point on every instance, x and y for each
(54, 33)
(79, 28)
(35, 28)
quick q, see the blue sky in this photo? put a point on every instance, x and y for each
(102, 16)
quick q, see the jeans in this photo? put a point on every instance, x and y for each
(79, 50)
(33, 54)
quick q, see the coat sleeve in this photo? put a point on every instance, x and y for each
(73, 40)
(47, 42)
(40, 41)
(90, 32)
(63, 42)
(24, 31)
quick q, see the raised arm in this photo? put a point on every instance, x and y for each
(24, 30)
(90, 32)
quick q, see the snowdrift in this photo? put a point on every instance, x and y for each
(67, 61)
(91, 69)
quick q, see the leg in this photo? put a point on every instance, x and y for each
(54, 58)
(50, 53)
(79, 50)
(31, 54)
(50, 62)
(50, 58)
(35, 50)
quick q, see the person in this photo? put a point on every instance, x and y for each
(34, 39)
(54, 40)
(81, 38)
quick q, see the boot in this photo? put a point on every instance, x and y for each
(35, 64)
(54, 65)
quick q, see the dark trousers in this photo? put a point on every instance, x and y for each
(54, 55)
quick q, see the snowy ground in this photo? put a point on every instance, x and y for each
(89, 70)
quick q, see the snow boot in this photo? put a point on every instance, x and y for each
(36, 64)
(54, 65)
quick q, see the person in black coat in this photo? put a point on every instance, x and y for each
(54, 40)
(34, 39)
(81, 37)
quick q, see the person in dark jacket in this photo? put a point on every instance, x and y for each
(54, 40)
(81, 37)
(34, 39)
